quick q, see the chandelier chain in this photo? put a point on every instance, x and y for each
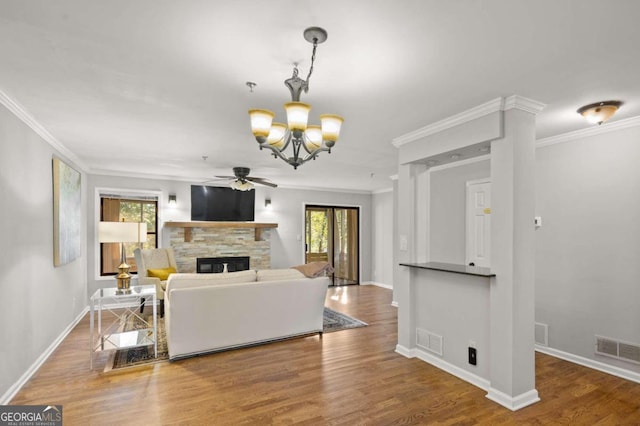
(313, 59)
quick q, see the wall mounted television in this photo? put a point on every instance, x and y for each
(215, 203)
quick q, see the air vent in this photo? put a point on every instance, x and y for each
(629, 352)
(613, 348)
(429, 341)
(542, 334)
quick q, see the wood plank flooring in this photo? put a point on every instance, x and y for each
(350, 377)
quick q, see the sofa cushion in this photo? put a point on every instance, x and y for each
(162, 273)
(278, 274)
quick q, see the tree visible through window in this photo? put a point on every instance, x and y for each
(115, 210)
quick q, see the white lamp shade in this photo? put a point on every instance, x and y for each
(276, 135)
(297, 115)
(261, 122)
(313, 138)
(122, 232)
(331, 125)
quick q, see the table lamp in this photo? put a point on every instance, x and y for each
(122, 232)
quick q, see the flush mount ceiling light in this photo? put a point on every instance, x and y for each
(313, 139)
(599, 112)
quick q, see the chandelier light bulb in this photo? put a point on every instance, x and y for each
(261, 122)
(297, 115)
(276, 135)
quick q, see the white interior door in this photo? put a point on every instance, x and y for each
(478, 218)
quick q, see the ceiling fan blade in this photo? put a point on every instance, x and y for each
(225, 177)
(261, 181)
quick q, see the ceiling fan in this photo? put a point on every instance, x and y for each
(241, 180)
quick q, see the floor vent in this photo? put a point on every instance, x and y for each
(542, 334)
(613, 348)
(429, 341)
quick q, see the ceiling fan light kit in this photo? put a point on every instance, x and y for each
(599, 112)
(298, 134)
(243, 182)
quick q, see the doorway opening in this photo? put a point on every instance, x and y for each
(332, 234)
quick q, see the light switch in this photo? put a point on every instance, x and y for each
(404, 243)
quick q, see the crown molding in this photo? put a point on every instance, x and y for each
(495, 105)
(590, 131)
(381, 191)
(455, 120)
(523, 104)
(21, 112)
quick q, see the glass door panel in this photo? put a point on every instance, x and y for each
(331, 235)
(346, 248)
(318, 228)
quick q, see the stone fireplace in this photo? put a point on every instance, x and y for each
(193, 240)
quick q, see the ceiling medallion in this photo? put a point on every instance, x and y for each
(313, 139)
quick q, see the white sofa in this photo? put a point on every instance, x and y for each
(213, 312)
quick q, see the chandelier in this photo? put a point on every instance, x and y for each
(307, 141)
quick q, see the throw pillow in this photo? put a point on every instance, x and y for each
(162, 273)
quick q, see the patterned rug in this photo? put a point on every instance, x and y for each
(332, 321)
(336, 321)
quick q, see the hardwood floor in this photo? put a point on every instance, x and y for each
(350, 377)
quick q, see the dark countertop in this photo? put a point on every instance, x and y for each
(453, 267)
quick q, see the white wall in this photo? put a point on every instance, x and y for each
(382, 238)
(588, 249)
(37, 300)
(287, 211)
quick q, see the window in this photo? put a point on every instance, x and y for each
(112, 209)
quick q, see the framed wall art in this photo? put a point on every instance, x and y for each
(67, 213)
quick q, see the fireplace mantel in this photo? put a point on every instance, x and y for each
(206, 224)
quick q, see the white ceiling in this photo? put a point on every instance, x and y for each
(148, 87)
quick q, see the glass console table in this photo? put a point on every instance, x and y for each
(122, 326)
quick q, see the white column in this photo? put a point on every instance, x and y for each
(411, 182)
(512, 356)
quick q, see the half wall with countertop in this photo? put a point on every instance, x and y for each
(494, 314)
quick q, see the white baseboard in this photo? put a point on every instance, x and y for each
(387, 286)
(13, 390)
(590, 363)
(513, 403)
(460, 373)
(405, 352)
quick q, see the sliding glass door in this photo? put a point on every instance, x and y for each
(332, 236)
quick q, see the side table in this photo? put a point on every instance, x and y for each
(118, 309)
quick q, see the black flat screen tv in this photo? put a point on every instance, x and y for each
(214, 203)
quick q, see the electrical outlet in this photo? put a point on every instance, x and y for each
(472, 356)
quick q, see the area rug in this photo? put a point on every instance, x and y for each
(336, 321)
(142, 355)
(332, 321)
